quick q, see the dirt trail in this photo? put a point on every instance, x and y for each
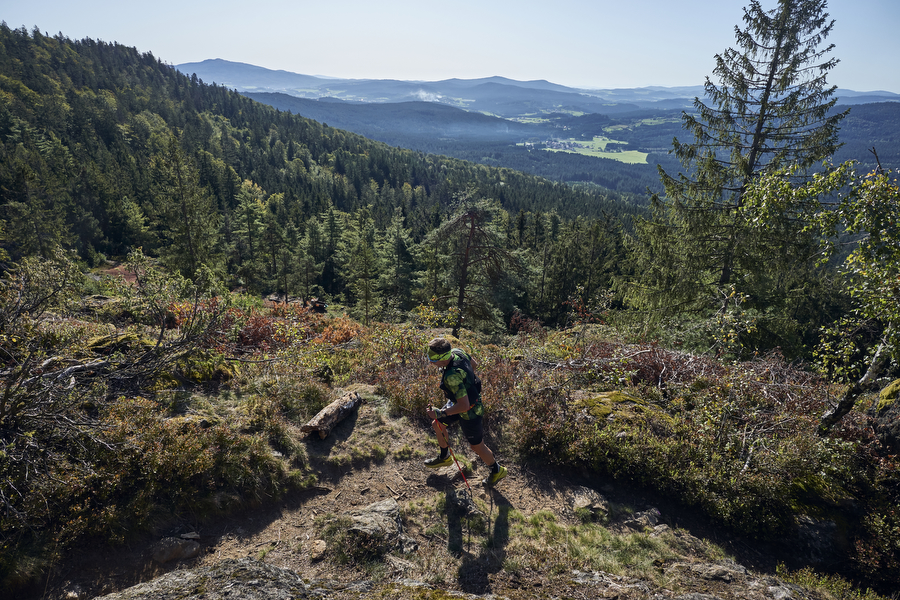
(353, 473)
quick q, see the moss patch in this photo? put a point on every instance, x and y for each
(888, 396)
(603, 404)
(814, 495)
(124, 342)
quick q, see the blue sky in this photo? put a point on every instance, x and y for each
(580, 43)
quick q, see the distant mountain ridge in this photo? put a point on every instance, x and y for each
(500, 122)
(493, 95)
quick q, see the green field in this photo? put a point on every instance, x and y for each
(600, 146)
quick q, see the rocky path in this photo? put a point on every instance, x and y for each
(370, 458)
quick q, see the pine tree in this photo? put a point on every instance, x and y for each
(770, 110)
(477, 263)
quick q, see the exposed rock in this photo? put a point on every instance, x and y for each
(400, 565)
(712, 572)
(460, 502)
(235, 579)
(643, 520)
(609, 582)
(377, 525)
(172, 548)
(817, 540)
(76, 592)
(886, 416)
(774, 588)
(584, 498)
(317, 550)
(408, 545)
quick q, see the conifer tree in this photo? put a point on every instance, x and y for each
(398, 263)
(249, 225)
(770, 110)
(186, 211)
(331, 238)
(279, 243)
(361, 264)
(477, 262)
(309, 269)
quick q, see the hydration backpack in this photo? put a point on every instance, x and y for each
(473, 383)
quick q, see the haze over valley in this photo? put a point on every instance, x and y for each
(612, 138)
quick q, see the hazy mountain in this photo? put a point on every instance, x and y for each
(491, 120)
(494, 95)
(391, 122)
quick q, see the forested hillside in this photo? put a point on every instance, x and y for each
(440, 129)
(488, 140)
(106, 149)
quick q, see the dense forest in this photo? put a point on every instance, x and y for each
(106, 149)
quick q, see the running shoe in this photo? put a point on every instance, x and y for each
(492, 479)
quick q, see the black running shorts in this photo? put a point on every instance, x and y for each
(473, 428)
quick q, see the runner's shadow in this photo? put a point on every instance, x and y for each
(474, 570)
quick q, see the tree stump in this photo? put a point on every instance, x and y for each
(332, 414)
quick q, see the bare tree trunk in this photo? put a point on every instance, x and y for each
(865, 384)
(332, 414)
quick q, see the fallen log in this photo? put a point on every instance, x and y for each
(332, 414)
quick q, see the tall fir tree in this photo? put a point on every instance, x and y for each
(331, 238)
(770, 109)
(309, 268)
(397, 253)
(361, 264)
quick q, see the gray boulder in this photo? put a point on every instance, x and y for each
(172, 548)
(586, 499)
(379, 519)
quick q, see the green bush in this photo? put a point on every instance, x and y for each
(727, 454)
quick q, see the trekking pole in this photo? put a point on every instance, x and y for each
(450, 448)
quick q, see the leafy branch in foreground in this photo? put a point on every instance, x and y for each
(840, 205)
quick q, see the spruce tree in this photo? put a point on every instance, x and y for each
(361, 264)
(309, 267)
(477, 263)
(770, 109)
(186, 213)
(398, 259)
